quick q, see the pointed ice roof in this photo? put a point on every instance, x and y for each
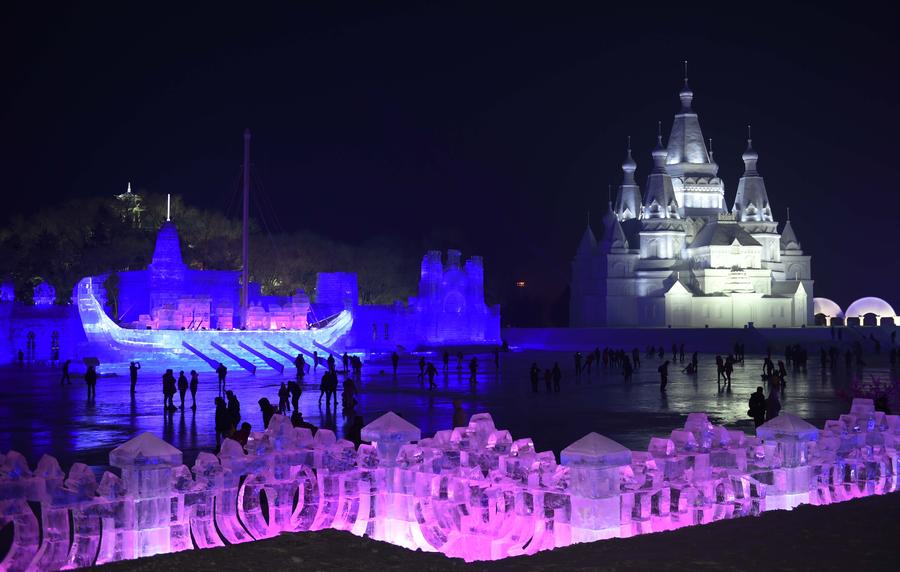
(660, 201)
(391, 427)
(687, 148)
(595, 451)
(613, 234)
(619, 241)
(609, 225)
(144, 450)
(751, 203)
(787, 425)
(628, 197)
(168, 246)
(723, 233)
(678, 288)
(588, 242)
(789, 240)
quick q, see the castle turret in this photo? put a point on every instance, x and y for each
(167, 272)
(588, 282)
(752, 209)
(698, 189)
(789, 242)
(628, 198)
(431, 277)
(751, 204)
(660, 201)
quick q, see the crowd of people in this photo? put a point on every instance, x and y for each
(764, 404)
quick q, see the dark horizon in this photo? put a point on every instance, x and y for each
(468, 126)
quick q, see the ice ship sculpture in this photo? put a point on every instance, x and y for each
(472, 493)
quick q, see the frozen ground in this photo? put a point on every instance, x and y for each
(855, 535)
(39, 416)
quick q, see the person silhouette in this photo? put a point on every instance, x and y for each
(757, 407)
(234, 408)
(65, 373)
(133, 372)
(284, 399)
(663, 375)
(295, 390)
(267, 410)
(224, 426)
(431, 371)
(460, 419)
(221, 371)
(182, 387)
(395, 361)
(195, 381)
(300, 364)
(90, 377)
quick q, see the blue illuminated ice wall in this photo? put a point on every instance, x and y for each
(450, 307)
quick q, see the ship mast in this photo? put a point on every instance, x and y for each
(245, 236)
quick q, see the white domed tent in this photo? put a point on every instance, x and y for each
(827, 309)
(875, 308)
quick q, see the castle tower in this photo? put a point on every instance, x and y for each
(752, 209)
(662, 230)
(587, 286)
(628, 198)
(167, 270)
(698, 189)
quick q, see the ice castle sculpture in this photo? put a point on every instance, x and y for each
(473, 492)
(170, 296)
(449, 308)
(44, 294)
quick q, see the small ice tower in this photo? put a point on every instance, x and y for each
(792, 437)
(595, 464)
(147, 464)
(388, 433)
(394, 518)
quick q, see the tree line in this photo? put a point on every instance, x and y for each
(89, 236)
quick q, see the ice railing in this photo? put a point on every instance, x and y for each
(473, 492)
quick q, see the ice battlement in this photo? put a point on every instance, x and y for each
(472, 492)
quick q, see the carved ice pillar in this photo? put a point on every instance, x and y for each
(788, 440)
(395, 518)
(160, 524)
(595, 471)
(17, 484)
(49, 491)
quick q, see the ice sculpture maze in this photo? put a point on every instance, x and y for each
(473, 492)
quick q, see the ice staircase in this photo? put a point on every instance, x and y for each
(212, 363)
(244, 363)
(273, 363)
(285, 355)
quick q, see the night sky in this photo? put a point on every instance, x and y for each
(494, 128)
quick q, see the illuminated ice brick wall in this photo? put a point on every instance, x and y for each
(473, 492)
(44, 332)
(449, 308)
